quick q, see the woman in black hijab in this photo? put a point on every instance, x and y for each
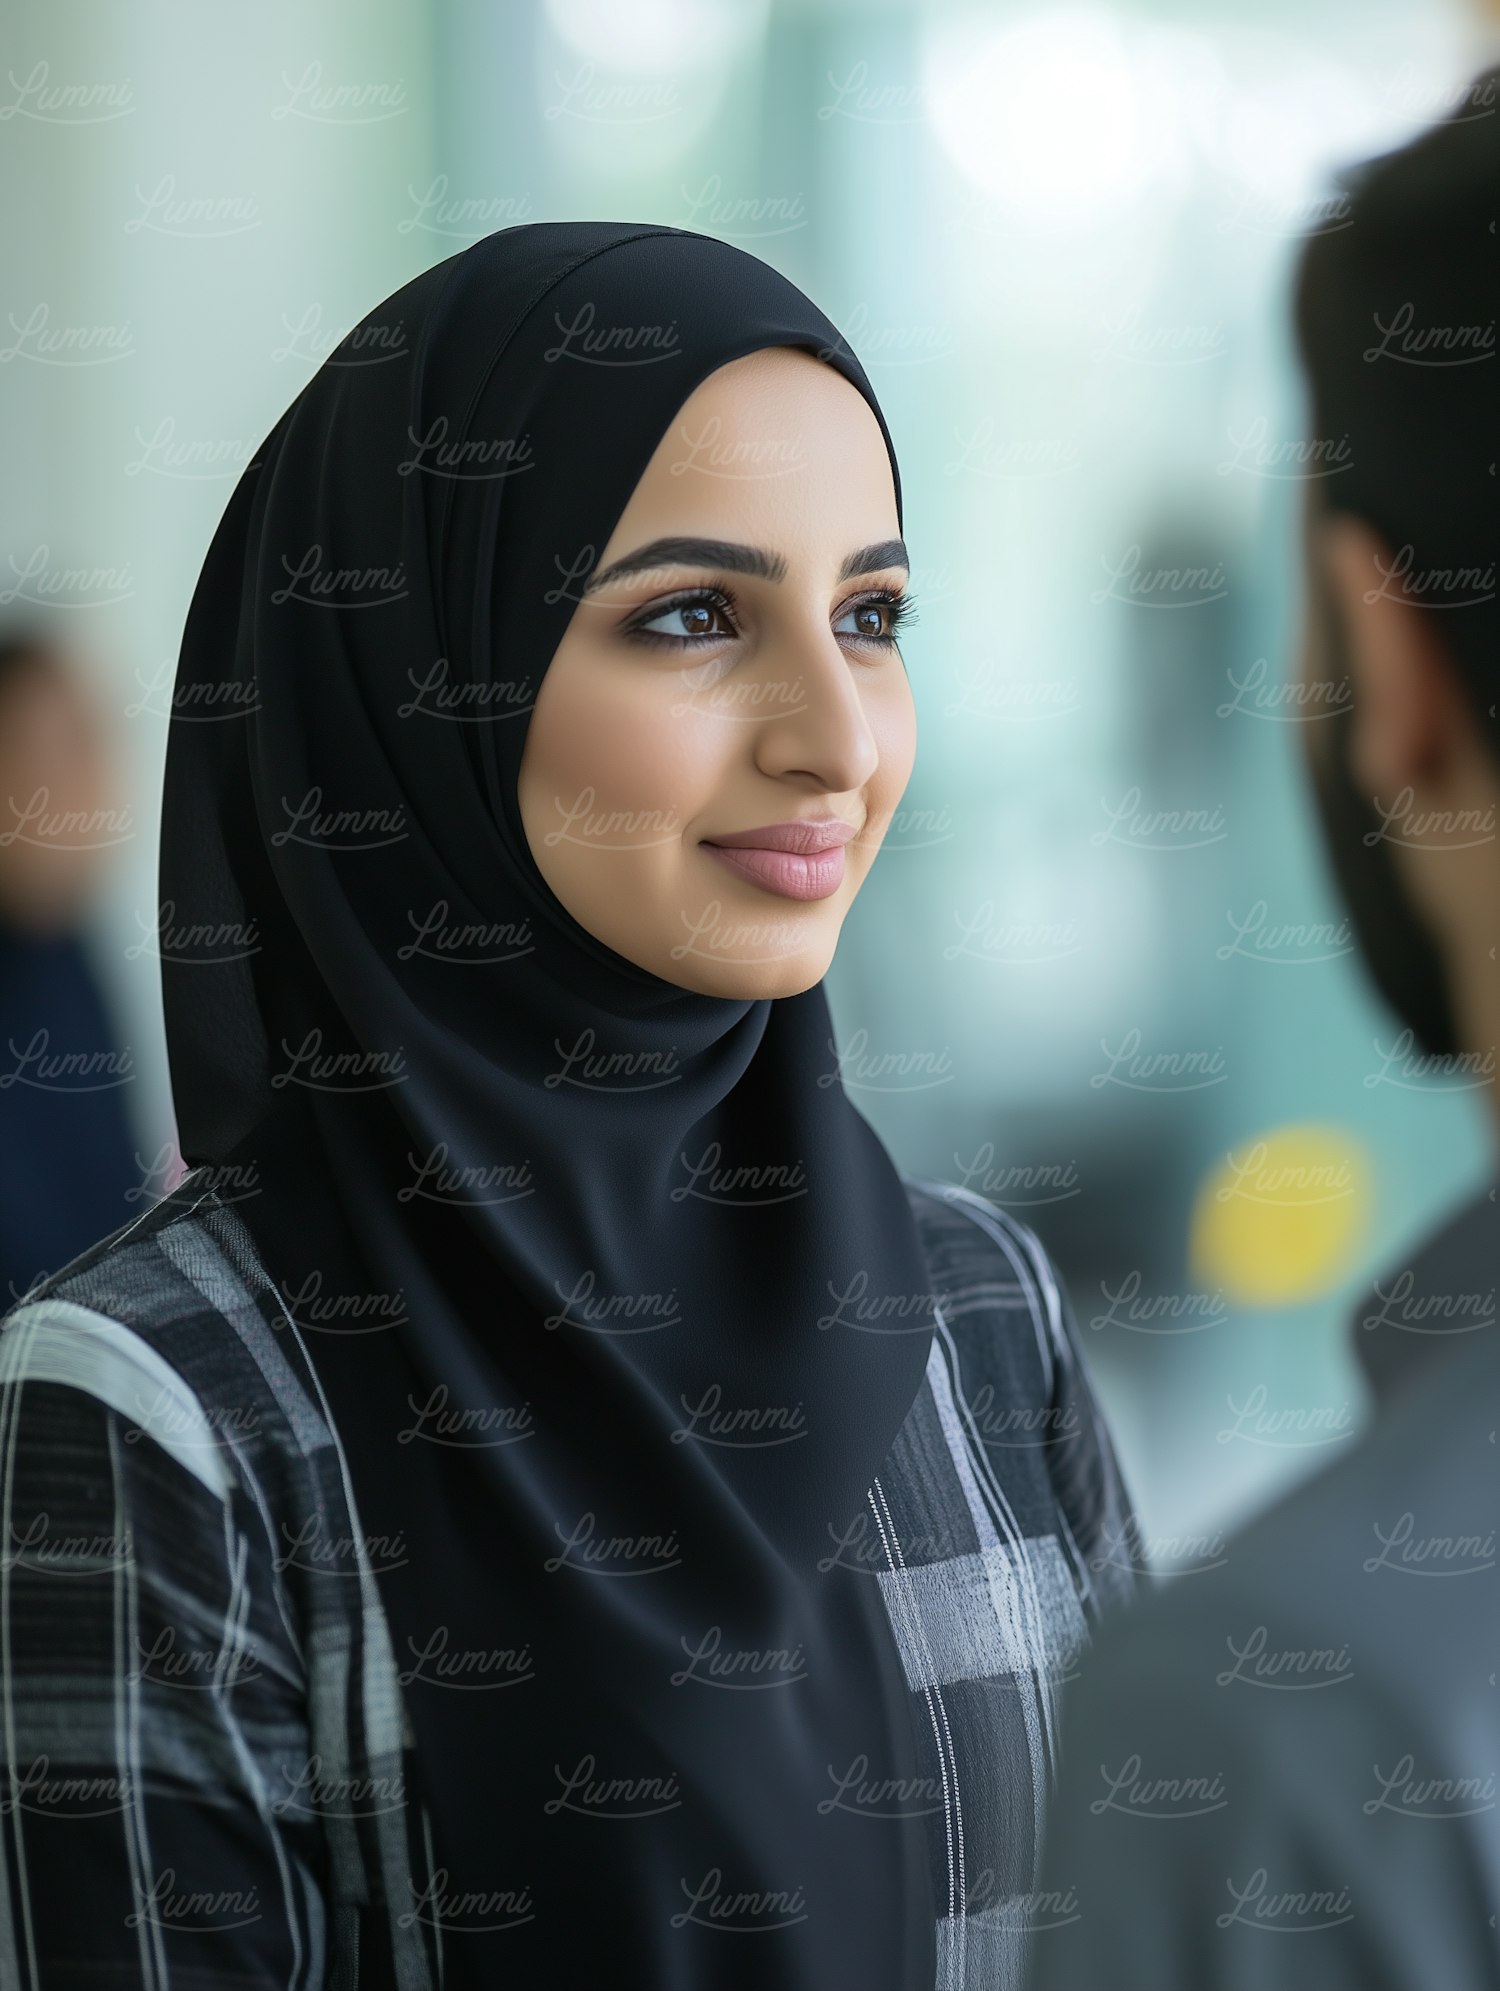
(539, 1187)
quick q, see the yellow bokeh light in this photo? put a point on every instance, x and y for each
(1282, 1217)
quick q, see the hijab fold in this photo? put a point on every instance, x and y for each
(605, 1426)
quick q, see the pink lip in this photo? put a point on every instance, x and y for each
(806, 835)
(802, 859)
(785, 871)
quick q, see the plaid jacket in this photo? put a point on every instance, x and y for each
(206, 1774)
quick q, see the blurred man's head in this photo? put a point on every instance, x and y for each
(1395, 318)
(54, 784)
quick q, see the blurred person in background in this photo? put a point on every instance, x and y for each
(1283, 1773)
(67, 1148)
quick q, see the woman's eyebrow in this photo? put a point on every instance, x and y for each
(736, 558)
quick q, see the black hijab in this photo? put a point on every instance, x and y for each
(514, 1293)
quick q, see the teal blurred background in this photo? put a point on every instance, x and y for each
(1099, 959)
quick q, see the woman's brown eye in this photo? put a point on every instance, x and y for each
(692, 619)
(875, 620)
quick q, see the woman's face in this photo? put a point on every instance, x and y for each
(704, 691)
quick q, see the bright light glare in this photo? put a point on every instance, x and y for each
(656, 37)
(1052, 117)
(1285, 122)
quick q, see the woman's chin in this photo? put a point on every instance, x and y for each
(754, 975)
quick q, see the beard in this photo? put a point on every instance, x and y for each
(1400, 951)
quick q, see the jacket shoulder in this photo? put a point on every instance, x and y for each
(979, 1252)
(173, 1321)
(187, 1255)
(950, 1214)
(1015, 1350)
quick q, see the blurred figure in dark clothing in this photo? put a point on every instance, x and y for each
(1285, 1772)
(67, 1143)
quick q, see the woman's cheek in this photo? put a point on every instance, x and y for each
(893, 722)
(653, 762)
(635, 768)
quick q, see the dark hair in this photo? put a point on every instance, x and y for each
(1395, 322)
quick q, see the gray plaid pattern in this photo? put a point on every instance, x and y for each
(202, 1732)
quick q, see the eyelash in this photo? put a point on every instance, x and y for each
(899, 604)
